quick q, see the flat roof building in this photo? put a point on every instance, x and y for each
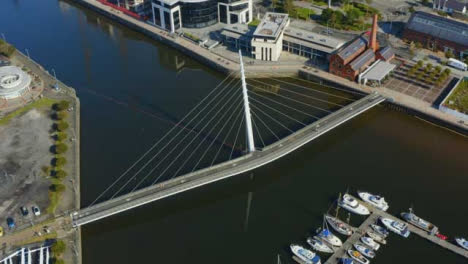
(438, 33)
(274, 35)
(171, 15)
(13, 82)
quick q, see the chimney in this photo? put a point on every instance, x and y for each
(373, 35)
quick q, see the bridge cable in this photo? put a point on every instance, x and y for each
(313, 90)
(237, 135)
(279, 123)
(227, 135)
(329, 86)
(185, 136)
(300, 94)
(287, 106)
(279, 112)
(161, 139)
(271, 131)
(204, 139)
(258, 132)
(239, 106)
(201, 142)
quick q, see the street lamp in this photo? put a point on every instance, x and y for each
(3, 37)
(27, 53)
(56, 86)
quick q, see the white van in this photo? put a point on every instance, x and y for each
(457, 64)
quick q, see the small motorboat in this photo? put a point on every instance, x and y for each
(376, 237)
(319, 245)
(358, 257)
(328, 237)
(396, 226)
(364, 250)
(419, 222)
(349, 203)
(462, 242)
(370, 243)
(305, 255)
(339, 226)
(375, 200)
(439, 235)
(380, 230)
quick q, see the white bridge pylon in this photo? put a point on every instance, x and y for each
(248, 118)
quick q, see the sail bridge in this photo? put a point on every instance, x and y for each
(277, 115)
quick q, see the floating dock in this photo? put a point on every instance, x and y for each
(372, 219)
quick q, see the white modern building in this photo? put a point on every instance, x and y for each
(274, 35)
(171, 15)
(13, 82)
(267, 41)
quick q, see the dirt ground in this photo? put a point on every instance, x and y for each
(24, 148)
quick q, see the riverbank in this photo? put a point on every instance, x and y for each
(32, 230)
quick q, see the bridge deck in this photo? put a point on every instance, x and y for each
(226, 169)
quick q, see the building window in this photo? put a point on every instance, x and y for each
(176, 19)
(199, 14)
(223, 14)
(167, 20)
(234, 19)
(157, 16)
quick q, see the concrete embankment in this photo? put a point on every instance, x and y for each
(397, 101)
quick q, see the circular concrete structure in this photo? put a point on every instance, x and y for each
(13, 82)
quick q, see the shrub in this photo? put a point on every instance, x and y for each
(449, 54)
(420, 63)
(61, 115)
(60, 148)
(57, 188)
(60, 174)
(438, 69)
(61, 136)
(62, 125)
(62, 105)
(447, 71)
(59, 161)
(6, 49)
(58, 248)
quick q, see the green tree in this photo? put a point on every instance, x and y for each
(57, 188)
(447, 71)
(61, 136)
(59, 161)
(352, 14)
(420, 63)
(59, 261)
(62, 105)
(62, 125)
(60, 174)
(449, 54)
(58, 248)
(61, 115)
(60, 148)
(438, 69)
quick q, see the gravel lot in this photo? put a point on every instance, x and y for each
(24, 149)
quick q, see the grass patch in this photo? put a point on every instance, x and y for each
(51, 235)
(254, 22)
(458, 100)
(54, 199)
(191, 37)
(43, 102)
(303, 13)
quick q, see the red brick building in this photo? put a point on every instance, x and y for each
(438, 33)
(357, 56)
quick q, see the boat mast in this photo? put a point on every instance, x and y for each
(337, 206)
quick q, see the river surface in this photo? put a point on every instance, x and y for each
(125, 81)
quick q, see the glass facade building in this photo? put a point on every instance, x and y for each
(199, 14)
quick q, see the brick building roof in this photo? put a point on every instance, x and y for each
(362, 60)
(352, 48)
(439, 27)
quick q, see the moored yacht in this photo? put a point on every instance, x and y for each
(370, 243)
(375, 200)
(419, 222)
(319, 245)
(339, 226)
(347, 261)
(376, 237)
(396, 226)
(358, 257)
(305, 255)
(380, 230)
(352, 205)
(329, 238)
(364, 250)
(462, 242)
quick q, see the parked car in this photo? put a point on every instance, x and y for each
(24, 211)
(11, 223)
(1, 231)
(36, 211)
